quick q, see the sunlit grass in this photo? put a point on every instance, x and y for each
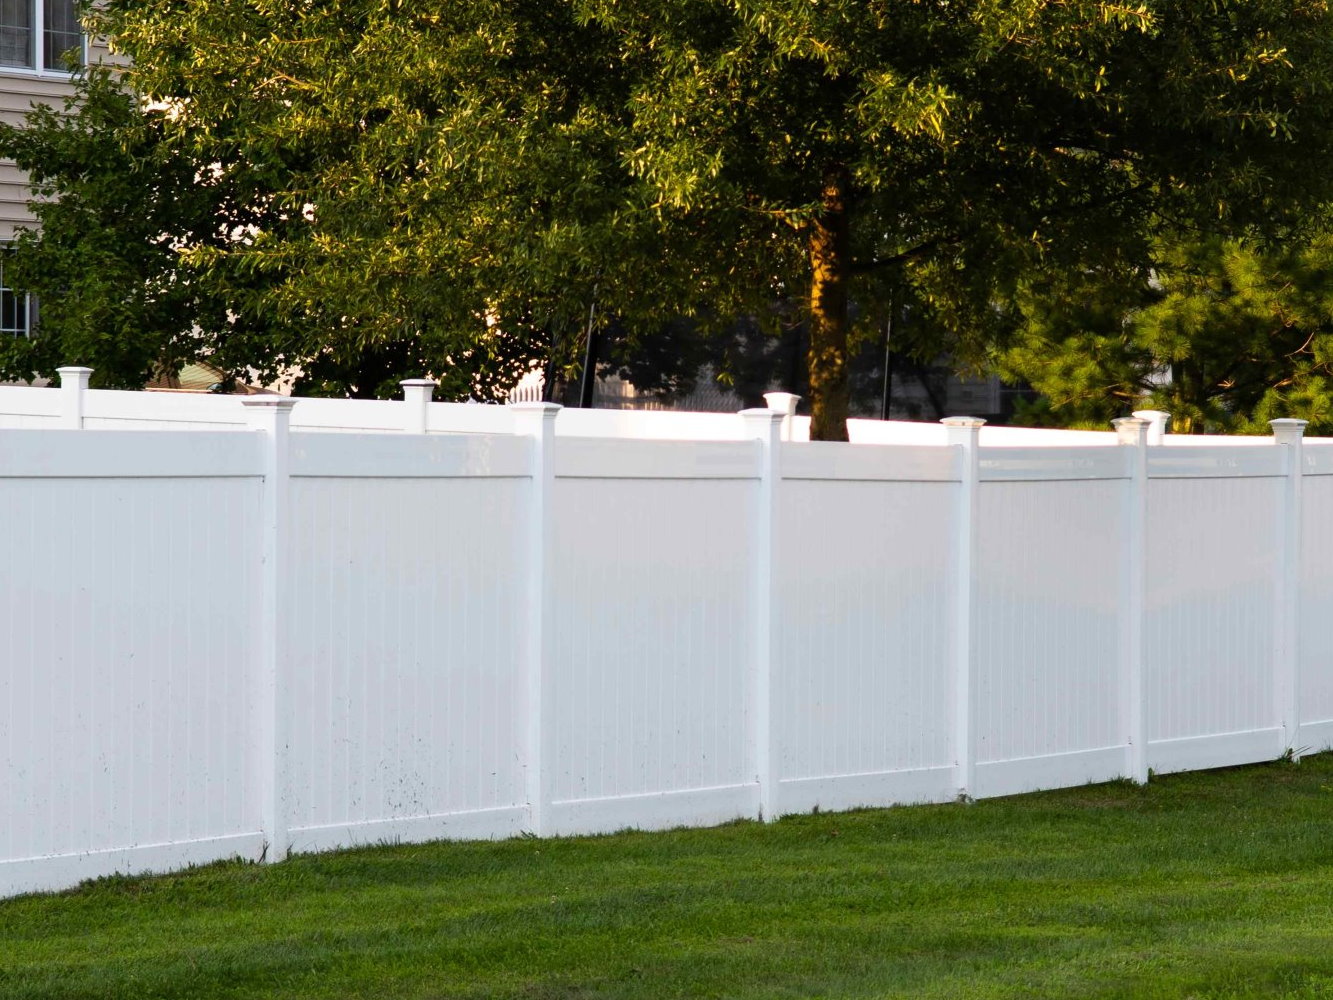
(1216, 884)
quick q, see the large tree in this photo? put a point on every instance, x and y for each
(954, 148)
(456, 172)
(115, 203)
(128, 212)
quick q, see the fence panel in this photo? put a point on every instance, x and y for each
(649, 638)
(1048, 568)
(686, 590)
(404, 622)
(1212, 562)
(127, 608)
(1316, 599)
(863, 604)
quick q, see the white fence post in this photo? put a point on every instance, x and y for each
(765, 426)
(784, 403)
(271, 416)
(966, 433)
(1158, 421)
(537, 422)
(73, 384)
(1286, 653)
(416, 402)
(1133, 433)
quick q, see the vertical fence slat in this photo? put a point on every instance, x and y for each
(784, 403)
(271, 416)
(73, 385)
(1133, 434)
(1288, 434)
(765, 426)
(416, 402)
(536, 421)
(965, 433)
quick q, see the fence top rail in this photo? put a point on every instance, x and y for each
(1229, 461)
(469, 418)
(72, 454)
(1318, 457)
(75, 405)
(920, 433)
(1036, 464)
(23, 400)
(384, 456)
(349, 414)
(620, 458)
(883, 463)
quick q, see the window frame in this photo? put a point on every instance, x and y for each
(38, 42)
(29, 301)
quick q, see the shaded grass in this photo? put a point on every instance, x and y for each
(1210, 885)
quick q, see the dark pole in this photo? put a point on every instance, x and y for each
(549, 371)
(886, 397)
(590, 356)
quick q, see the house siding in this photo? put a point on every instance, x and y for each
(14, 211)
(18, 93)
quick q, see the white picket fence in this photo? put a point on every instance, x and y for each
(245, 635)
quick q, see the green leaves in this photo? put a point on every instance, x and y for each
(443, 185)
(1225, 334)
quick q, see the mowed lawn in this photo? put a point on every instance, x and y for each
(1215, 884)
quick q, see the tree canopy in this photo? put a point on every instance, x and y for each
(470, 178)
(1225, 334)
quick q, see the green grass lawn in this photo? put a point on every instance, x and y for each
(1214, 884)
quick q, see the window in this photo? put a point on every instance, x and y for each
(15, 309)
(25, 45)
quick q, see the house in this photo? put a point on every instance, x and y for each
(38, 39)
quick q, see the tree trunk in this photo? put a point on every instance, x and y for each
(830, 265)
(1187, 379)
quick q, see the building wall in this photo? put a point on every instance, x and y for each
(19, 92)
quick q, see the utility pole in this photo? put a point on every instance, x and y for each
(886, 396)
(589, 355)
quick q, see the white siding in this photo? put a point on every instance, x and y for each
(19, 92)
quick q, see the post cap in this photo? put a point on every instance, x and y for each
(74, 376)
(418, 381)
(963, 421)
(782, 402)
(269, 402)
(1131, 430)
(1158, 422)
(1287, 430)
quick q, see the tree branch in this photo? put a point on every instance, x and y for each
(864, 267)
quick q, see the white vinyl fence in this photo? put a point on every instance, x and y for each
(244, 635)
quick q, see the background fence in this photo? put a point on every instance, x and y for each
(250, 635)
